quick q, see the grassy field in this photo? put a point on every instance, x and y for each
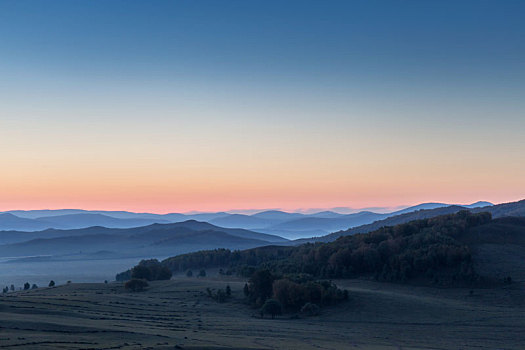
(178, 314)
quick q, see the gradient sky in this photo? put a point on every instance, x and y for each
(214, 105)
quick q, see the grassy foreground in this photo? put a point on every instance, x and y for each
(177, 314)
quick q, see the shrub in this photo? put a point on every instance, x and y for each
(310, 309)
(272, 307)
(136, 285)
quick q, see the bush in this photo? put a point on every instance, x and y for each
(310, 309)
(136, 285)
(271, 307)
(51, 283)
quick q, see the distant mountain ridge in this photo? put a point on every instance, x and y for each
(290, 225)
(154, 240)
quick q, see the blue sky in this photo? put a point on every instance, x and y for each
(342, 90)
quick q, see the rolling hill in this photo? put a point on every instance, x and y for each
(451, 249)
(155, 239)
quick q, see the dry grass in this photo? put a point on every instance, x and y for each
(178, 314)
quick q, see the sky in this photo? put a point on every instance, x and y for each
(167, 106)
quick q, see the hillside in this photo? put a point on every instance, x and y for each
(499, 210)
(155, 240)
(448, 249)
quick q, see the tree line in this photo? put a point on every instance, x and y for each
(421, 249)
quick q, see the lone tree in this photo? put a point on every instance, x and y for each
(27, 286)
(51, 283)
(272, 307)
(136, 285)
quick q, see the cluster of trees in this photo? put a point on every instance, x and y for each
(422, 249)
(202, 273)
(149, 270)
(293, 293)
(27, 286)
(220, 295)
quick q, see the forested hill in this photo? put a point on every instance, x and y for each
(435, 249)
(497, 211)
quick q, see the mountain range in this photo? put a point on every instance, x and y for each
(289, 225)
(151, 240)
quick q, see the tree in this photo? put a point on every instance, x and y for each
(12, 288)
(202, 273)
(51, 283)
(27, 286)
(34, 286)
(189, 273)
(260, 287)
(136, 285)
(272, 307)
(228, 290)
(246, 290)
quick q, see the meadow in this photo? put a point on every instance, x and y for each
(177, 314)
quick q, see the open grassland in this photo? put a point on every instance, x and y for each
(178, 314)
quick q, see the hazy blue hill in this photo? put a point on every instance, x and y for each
(33, 214)
(155, 239)
(205, 216)
(241, 220)
(277, 215)
(9, 221)
(72, 221)
(326, 214)
(205, 226)
(422, 206)
(504, 209)
(479, 204)
(325, 225)
(210, 237)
